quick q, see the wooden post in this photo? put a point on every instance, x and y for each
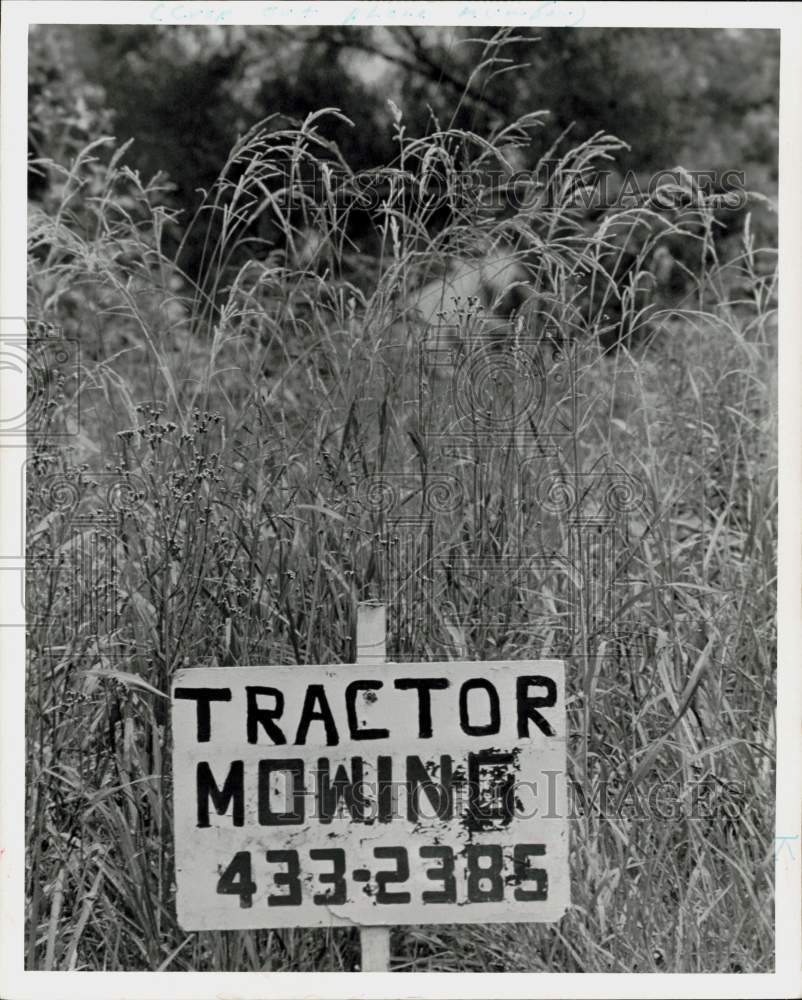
(371, 648)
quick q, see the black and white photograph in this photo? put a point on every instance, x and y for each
(399, 535)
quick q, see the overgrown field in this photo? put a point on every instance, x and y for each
(218, 480)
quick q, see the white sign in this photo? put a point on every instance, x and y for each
(405, 793)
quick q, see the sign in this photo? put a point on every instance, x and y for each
(406, 793)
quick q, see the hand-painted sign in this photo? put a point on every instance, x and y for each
(406, 793)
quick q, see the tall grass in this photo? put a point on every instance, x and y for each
(232, 424)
